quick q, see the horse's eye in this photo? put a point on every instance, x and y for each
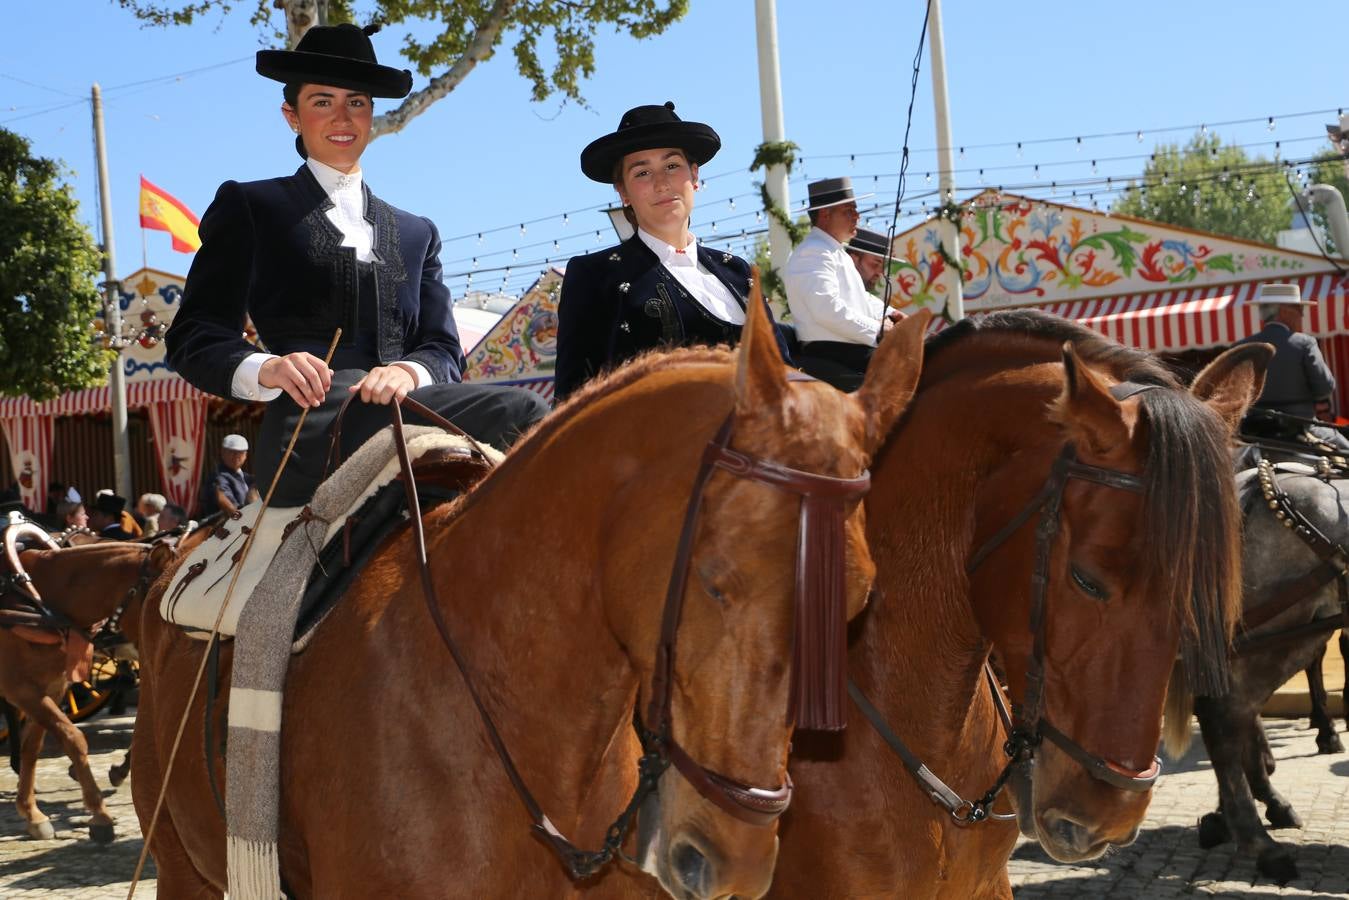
(1087, 586)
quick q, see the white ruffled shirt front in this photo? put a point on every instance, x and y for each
(704, 287)
(348, 216)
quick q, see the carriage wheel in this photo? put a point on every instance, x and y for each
(81, 700)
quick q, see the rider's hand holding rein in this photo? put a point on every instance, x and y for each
(384, 384)
(304, 376)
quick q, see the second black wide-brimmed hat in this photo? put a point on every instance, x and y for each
(831, 192)
(646, 128)
(339, 55)
(868, 241)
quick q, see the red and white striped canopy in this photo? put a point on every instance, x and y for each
(99, 399)
(1199, 317)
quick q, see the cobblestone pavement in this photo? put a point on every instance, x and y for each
(1165, 862)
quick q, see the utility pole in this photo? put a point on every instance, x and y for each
(112, 312)
(949, 231)
(770, 105)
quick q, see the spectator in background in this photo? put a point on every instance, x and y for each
(105, 520)
(148, 508)
(230, 487)
(171, 516)
(71, 514)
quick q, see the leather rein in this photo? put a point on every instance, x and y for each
(1333, 566)
(819, 646)
(1029, 726)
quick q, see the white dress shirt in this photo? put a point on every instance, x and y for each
(704, 287)
(826, 296)
(348, 216)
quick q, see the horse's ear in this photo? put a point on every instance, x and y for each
(760, 382)
(892, 377)
(1092, 418)
(1233, 381)
(161, 555)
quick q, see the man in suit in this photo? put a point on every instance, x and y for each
(867, 251)
(105, 519)
(661, 287)
(1297, 377)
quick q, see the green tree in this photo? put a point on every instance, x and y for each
(1208, 186)
(48, 266)
(464, 33)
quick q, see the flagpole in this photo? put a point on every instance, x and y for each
(121, 443)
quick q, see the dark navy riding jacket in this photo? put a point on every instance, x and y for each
(269, 251)
(621, 301)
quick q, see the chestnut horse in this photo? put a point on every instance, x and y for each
(86, 585)
(551, 574)
(1130, 575)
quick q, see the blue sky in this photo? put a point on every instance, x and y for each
(486, 158)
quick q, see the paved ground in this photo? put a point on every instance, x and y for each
(1166, 861)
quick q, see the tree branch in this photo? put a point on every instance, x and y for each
(480, 48)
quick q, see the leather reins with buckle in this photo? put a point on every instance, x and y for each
(1029, 726)
(820, 569)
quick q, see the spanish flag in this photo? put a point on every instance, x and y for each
(163, 212)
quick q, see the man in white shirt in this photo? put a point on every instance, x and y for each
(837, 321)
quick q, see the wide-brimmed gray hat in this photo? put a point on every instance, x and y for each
(868, 241)
(831, 192)
(1280, 294)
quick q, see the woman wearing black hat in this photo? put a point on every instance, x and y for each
(660, 287)
(311, 252)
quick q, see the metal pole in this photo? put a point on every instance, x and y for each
(770, 105)
(950, 234)
(121, 443)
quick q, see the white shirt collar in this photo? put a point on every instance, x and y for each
(832, 242)
(668, 255)
(333, 181)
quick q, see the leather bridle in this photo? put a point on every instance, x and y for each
(1028, 725)
(819, 646)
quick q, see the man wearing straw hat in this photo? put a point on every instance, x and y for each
(1297, 376)
(836, 320)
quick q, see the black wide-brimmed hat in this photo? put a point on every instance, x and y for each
(868, 241)
(340, 55)
(646, 128)
(831, 192)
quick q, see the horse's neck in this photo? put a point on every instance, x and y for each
(923, 649)
(84, 584)
(523, 589)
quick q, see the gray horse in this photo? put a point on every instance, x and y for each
(1273, 556)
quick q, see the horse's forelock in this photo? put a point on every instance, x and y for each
(1191, 523)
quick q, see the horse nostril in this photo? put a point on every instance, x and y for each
(691, 868)
(1069, 833)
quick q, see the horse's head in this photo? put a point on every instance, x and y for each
(776, 565)
(1140, 557)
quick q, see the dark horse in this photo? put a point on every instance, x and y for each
(551, 574)
(1281, 577)
(1133, 571)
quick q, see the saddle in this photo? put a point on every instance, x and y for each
(22, 611)
(373, 507)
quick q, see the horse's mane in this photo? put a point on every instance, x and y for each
(1191, 528)
(1125, 363)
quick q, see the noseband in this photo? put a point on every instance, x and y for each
(1030, 725)
(819, 649)
(819, 646)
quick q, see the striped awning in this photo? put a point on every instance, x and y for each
(99, 399)
(1200, 317)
